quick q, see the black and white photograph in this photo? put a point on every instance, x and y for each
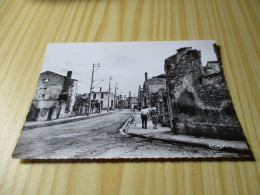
(132, 100)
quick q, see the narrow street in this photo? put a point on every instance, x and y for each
(99, 138)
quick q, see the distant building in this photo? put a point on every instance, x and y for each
(130, 103)
(104, 98)
(150, 87)
(153, 94)
(134, 102)
(54, 97)
(198, 98)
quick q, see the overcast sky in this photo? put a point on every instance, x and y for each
(125, 62)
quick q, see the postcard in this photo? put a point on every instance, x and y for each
(132, 100)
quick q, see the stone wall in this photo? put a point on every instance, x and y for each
(198, 98)
(49, 86)
(159, 100)
(154, 84)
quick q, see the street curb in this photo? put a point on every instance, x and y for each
(123, 129)
(51, 123)
(229, 149)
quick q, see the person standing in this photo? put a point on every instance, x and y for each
(154, 116)
(144, 116)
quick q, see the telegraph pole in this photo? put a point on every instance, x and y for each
(109, 94)
(115, 96)
(91, 85)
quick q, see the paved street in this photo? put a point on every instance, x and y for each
(99, 138)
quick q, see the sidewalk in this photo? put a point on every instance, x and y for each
(165, 134)
(36, 124)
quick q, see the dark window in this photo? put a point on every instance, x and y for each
(200, 80)
(94, 96)
(102, 95)
(42, 92)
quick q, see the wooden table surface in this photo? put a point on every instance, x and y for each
(26, 26)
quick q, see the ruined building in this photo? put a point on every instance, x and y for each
(140, 98)
(80, 106)
(54, 97)
(160, 101)
(130, 103)
(198, 98)
(150, 87)
(153, 94)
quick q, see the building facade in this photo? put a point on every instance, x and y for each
(104, 98)
(54, 97)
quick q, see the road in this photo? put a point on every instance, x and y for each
(99, 138)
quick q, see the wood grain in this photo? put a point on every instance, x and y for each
(28, 25)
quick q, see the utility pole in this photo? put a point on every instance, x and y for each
(129, 100)
(115, 96)
(109, 94)
(91, 84)
(76, 94)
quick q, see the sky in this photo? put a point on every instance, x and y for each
(125, 62)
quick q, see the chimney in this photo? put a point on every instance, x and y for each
(69, 73)
(146, 76)
(67, 82)
(129, 93)
(100, 89)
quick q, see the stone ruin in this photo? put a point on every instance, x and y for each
(198, 98)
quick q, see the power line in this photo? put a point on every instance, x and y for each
(78, 81)
(74, 72)
(98, 83)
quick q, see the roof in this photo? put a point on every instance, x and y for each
(50, 72)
